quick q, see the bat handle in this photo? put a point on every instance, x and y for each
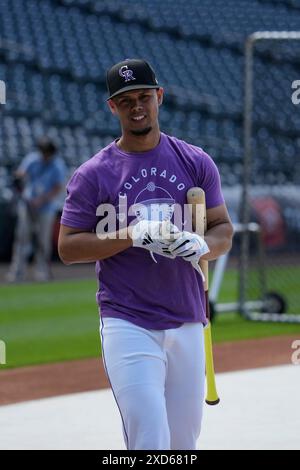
(212, 395)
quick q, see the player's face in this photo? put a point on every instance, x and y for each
(137, 110)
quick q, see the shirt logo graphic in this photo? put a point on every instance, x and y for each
(126, 73)
(159, 207)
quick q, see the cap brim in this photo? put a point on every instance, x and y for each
(132, 87)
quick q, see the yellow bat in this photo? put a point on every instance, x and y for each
(196, 197)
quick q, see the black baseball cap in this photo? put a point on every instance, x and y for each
(130, 74)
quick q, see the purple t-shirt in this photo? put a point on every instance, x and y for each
(132, 286)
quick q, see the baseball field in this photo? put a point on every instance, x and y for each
(58, 321)
(155, 104)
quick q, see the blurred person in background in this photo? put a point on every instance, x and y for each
(39, 180)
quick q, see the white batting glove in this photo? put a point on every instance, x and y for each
(155, 236)
(191, 247)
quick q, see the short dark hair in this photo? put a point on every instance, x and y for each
(45, 144)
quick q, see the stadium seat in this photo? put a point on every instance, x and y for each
(55, 53)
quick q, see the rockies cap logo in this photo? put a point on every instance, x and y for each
(126, 73)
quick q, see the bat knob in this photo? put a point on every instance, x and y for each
(213, 402)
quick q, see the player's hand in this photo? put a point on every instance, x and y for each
(190, 246)
(155, 236)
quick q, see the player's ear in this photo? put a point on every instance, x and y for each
(160, 95)
(112, 106)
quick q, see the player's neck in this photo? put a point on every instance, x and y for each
(141, 143)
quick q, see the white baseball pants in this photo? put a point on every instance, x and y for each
(157, 378)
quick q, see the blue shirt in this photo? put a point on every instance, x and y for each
(41, 177)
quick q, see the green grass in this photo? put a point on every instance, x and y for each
(51, 322)
(283, 279)
(232, 326)
(42, 323)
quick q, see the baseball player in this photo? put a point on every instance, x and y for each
(151, 292)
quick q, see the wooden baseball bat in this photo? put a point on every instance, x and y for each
(196, 197)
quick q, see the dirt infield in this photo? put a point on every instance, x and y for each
(31, 383)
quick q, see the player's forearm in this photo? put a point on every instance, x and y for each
(85, 247)
(219, 240)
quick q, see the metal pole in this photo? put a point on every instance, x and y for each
(245, 209)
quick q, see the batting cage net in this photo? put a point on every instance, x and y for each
(270, 209)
